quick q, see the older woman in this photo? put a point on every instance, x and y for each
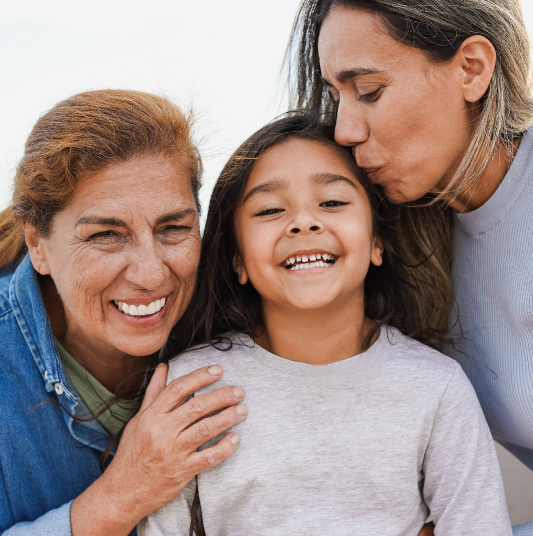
(434, 98)
(99, 252)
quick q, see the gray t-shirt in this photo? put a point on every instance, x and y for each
(369, 445)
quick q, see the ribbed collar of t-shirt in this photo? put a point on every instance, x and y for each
(495, 210)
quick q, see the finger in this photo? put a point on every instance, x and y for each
(198, 407)
(156, 385)
(178, 390)
(210, 427)
(205, 459)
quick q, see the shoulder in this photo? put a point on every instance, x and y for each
(415, 360)
(221, 352)
(6, 275)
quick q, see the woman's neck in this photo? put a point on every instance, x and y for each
(315, 337)
(488, 183)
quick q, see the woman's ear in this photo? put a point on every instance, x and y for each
(376, 255)
(36, 249)
(476, 58)
(240, 270)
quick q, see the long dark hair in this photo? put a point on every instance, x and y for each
(409, 291)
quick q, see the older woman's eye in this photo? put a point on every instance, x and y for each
(107, 235)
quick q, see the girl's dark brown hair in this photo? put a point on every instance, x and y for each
(76, 138)
(410, 291)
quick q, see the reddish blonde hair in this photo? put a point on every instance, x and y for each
(82, 135)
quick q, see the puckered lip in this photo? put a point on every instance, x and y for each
(308, 253)
(367, 170)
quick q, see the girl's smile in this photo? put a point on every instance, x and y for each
(304, 228)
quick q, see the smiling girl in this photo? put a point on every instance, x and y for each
(307, 292)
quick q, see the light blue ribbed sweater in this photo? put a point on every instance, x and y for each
(493, 285)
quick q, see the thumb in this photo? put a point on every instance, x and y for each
(156, 385)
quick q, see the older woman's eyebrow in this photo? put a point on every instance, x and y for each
(349, 74)
(115, 222)
(96, 220)
(173, 216)
(328, 178)
(266, 187)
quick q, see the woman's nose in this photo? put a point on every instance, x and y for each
(350, 128)
(147, 269)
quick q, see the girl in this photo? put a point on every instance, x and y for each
(308, 290)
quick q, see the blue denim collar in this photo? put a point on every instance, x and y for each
(30, 313)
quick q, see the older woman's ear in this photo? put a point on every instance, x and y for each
(36, 249)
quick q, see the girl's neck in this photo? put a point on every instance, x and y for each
(315, 337)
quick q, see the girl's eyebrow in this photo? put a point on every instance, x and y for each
(266, 187)
(328, 178)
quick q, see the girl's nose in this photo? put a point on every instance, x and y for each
(351, 128)
(305, 225)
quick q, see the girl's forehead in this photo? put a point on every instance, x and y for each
(300, 162)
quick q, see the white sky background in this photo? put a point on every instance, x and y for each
(224, 57)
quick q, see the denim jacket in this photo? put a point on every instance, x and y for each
(46, 458)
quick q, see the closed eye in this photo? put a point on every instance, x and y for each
(371, 97)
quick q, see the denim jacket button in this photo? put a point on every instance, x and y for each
(59, 390)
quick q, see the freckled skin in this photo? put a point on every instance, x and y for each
(418, 125)
(94, 264)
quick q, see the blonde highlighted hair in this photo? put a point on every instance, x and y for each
(438, 28)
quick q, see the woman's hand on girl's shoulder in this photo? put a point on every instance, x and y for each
(427, 530)
(157, 456)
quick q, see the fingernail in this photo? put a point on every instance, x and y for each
(238, 392)
(241, 410)
(235, 438)
(215, 370)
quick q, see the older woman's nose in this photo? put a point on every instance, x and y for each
(351, 127)
(146, 268)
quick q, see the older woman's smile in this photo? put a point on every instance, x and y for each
(141, 309)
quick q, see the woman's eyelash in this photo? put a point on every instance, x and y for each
(105, 234)
(370, 97)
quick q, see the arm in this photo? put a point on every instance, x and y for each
(157, 454)
(174, 518)
(463, 486)
(523, 530)
(155, 460)
(53, 523)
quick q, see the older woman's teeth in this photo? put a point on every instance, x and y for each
(319, 260)
(141, 310)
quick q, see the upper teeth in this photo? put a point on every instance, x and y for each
(310, 261)
(140, 310)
